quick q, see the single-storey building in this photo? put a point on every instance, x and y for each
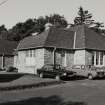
(7, 55)
(75, 45)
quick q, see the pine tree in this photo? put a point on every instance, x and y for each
(84, 17)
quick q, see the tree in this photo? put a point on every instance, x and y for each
(21, 30)
(57, 20)
(84, 17)
(98, 27)
(16, 32)
(3, 32)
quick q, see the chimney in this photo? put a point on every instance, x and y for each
(34, 34)
(68, 26)
(48, 25)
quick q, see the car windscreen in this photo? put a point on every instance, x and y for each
(76, 67)
(48, 67)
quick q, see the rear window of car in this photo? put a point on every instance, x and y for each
(76, 67)
(48, 67)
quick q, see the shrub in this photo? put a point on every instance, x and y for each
(11, 69)
(2, 69)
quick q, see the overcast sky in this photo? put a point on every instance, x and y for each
(14, 11)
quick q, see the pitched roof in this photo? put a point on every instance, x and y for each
(79, 37)
(7, 47)
(86, 38)
(54, 37)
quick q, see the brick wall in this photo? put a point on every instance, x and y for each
(15, 61)
(83, 57)
(0, 62)
(66, 60)
(79, 57)
(70, 58)
(48, 56)
(58, 57)
(8, 61)
(88, 57)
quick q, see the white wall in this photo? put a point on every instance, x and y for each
(104, 60)
(22, 65)
(79, 57)
(88, 57)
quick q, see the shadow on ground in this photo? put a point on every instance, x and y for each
(9, 77)
(73, 78)
(80, 78)
(52, 100)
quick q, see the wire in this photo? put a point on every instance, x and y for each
(3, 2)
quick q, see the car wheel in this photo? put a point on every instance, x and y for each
(57, 77)
(41, 75)
(90, 77)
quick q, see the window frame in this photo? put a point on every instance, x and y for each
(98, 58)
(30, 57)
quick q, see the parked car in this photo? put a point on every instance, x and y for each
(11, 69)
(56, 71)
(88, 71)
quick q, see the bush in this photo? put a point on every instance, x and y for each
(11, 69)
(2, 69)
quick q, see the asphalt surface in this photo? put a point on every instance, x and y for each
(79, 92)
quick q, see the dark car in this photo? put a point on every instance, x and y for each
(88, 71)
(55, 71)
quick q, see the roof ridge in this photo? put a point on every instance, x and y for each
(84, 36)
(47, 35)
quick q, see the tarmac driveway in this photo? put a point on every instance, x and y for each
(79, 92)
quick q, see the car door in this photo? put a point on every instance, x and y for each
(80, 70)
(77, 69)
(85, 70)
(49, 70)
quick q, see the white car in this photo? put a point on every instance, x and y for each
(88, 71)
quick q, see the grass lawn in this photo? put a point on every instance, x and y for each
(11, 81)
(9, 76)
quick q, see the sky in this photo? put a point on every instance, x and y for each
(14, 11)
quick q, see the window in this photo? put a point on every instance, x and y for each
(30, 57)
(30, 53)
(97, 58)
(93, 58)
(27, 53)
(101, 58)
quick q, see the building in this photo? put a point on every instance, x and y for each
(89, 46)
(7, 55)
(76, 45)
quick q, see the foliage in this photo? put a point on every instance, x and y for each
(21, 30)
(11, 69)
(37, 25)
(98, 27)
(3, 32)
(84, 17)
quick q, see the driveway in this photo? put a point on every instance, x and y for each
(79, 92)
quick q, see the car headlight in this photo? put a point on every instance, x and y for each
(64, 74)
(102, 70)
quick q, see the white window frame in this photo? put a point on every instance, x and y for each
(99, 58)
(30, 58)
